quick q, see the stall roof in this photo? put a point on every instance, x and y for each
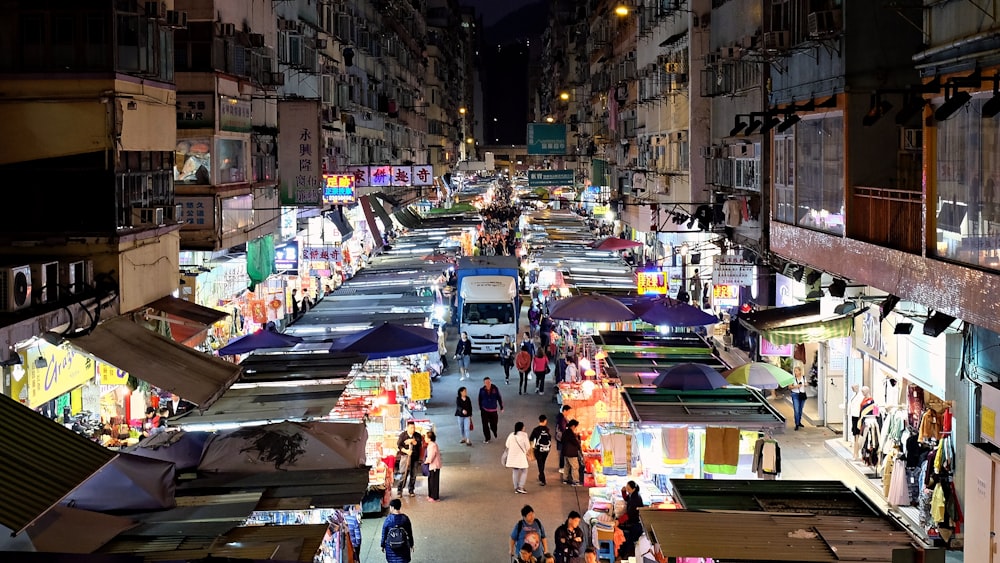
(798, 324)
(246, 544)
(763, 537)
(294, 366)
(188, 310)
(830, 498)
(271, 404)
(193, 375)
(42, 462)
(742, 407)
(288, 490)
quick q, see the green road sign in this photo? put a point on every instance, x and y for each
(546, 138)
(550, 178)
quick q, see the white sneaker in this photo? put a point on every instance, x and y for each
(562, 471)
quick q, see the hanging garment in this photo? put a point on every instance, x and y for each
(888, 465)
(766, 459)
(937, 504)
(899, 493)
(930, 426)
(675, 444)
(733, 211)
(914, 404)
(722, 450)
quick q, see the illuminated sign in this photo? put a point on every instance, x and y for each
(338, 189)
(423, 175)
(286, 257)
(402, 176)
(725, 295)
(652, 282)
(380, 176)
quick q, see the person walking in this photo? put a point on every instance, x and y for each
(490, 407)
(540, 367)
(517, 447)
(569, 540)
(545, 326)
(463, 412)
(541, 441)
(798, 395)
(571, 453)
(506, 358)
(529, 531)
(408, 449)
(562, 420)
(443, 348)
(463, 355)
(522, 362)
(527, 344)
(432, 458)
(524, 555)
(397, 534)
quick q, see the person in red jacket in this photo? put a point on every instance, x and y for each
(523, 364)
(540, 366)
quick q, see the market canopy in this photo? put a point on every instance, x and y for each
(797, 324)
(188, 373)
(831, 498)
(129, 483)
(66, 530)
(286, 446)
(258, 340)
(189, 322)
(389, 340)
(741, 407)
(42, 462)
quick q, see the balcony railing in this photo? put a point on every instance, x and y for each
(887, 217)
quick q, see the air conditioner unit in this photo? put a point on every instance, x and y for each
(45, 282)
(147, 216)
(712, 59)
(741, 150)
(173, 213)
(176, 19)
(76, 275)
(824, 23)
(15, 288)
(156, 10)
(911, 139)
(256, 39)
(275, 78)
(286, 25)
(321, 43)
(227, 29)
(776, 40)
(711, 152)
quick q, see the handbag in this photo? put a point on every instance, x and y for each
(425, 469)
(503, 458)
(470, 424)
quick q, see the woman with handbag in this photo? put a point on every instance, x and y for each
(515, 456)
(540, 366)
(432, 459)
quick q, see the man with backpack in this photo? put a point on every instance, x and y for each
(397, 534)
(541, 440)
(529, 530)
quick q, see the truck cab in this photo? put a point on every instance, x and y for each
(488, 302)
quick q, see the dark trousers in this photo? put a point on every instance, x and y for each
(540, 382)
(562, 460)
(506, 371)
(434, 484)
(490, 420)
(522, 385)
(409, 473)
(540, 458)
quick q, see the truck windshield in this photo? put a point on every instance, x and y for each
(488, 313)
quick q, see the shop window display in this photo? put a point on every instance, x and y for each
(193, 161)
(231, 160)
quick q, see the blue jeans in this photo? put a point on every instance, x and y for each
(798, 401)
(463, 426)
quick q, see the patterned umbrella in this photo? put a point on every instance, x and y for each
(592, 308)
(761, 375)
(690, 377)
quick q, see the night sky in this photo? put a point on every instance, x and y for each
(493, 10)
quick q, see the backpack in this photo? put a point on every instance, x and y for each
(395, 537)
(544, 441)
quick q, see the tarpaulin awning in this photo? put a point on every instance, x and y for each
(189, 322)
(366, 208)
(66, 530)
(343, 226)
(407, 219)
(42, 462)
(379, 210)
(193, 375)
(797, 324)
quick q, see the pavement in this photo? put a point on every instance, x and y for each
(479, 507)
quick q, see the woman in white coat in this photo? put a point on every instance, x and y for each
(517, 448)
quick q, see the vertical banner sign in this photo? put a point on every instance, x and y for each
(423, 175)
(299, 155)
(420, 386)
(366, 207)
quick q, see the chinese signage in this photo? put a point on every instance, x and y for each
(195, 111)
(875, 337)
(380, 176)
(234, 115)
(655, 282)
(360, 174)
(402, 176)
(546, 138)
(423, 175)
(725, 295)
(299, 158)
(325, 253)
(63, 370)
(769, 349)
(549, 178)
(286, 257)
(733, 270)
(196, 212)
(338, 189)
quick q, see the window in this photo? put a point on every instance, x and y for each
(967, 210)
(784, 178)
(237, 213)
(819, 172)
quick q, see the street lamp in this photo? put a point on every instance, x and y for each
(621, 10)
(463, 155)
(564, 96)
(550, 119)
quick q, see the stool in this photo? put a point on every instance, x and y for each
(606, 551)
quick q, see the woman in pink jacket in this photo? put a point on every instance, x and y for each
(432, 457)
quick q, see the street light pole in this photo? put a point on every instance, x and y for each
(682, 294)
(463, 155)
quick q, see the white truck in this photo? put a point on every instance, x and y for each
(488, 302)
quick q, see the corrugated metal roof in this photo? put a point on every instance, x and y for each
(741, 407)
(42, 462)
(813, 497)
(188, 310)
(267, 403)
(194, 375)
(747, 536)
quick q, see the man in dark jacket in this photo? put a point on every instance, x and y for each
(408, 449)
(571, 453)
(490, 407)
(569, 540)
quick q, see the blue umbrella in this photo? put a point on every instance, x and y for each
(690, 377)
(666, 311)
(258, 340)
(388, 341)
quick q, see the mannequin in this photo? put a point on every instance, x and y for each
(866, 407)
(854, 410)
